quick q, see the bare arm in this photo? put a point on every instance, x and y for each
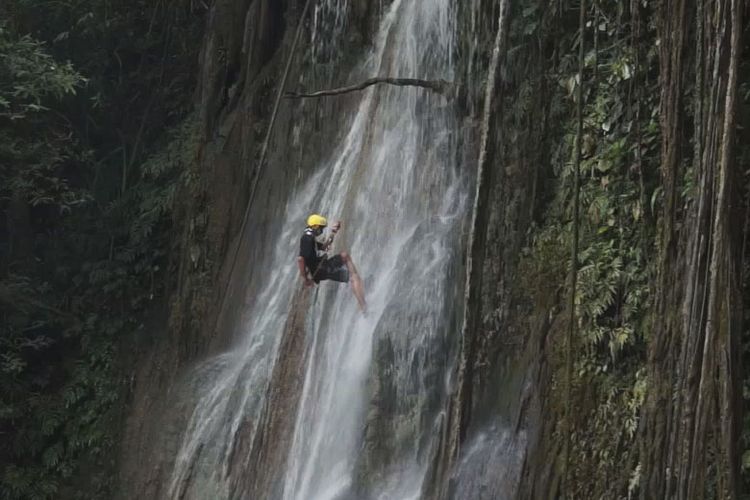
(334, 229)
(303, 270)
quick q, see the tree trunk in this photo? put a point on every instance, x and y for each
(692, 411)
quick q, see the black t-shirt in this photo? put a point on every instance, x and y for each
(308, 250)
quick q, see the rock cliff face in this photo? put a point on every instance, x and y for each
(481, 413)
(244, 52)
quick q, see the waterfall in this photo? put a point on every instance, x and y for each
(375, 386)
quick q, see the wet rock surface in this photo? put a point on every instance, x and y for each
(407, 403)
(259, 468)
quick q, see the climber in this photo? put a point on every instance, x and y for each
(313, 259)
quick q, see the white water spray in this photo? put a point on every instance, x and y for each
(393, 180)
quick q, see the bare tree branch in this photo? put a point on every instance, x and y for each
(439, 86)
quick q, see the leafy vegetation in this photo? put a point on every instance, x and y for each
(623, 213)
(88, 180)
(618, 199)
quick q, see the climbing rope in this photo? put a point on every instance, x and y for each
(263, 154)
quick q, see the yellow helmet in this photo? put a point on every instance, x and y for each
(316, 220)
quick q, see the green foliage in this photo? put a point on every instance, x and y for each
(34, 145)
(31, 76)
(90, 168)
(618, 176)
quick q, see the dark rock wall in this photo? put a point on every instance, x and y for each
(245, 49)
(500, 404)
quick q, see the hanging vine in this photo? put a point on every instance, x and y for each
(574, 247)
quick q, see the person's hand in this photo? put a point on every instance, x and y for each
(309, 282)
(336, 226)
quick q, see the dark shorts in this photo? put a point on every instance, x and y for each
(333, 268)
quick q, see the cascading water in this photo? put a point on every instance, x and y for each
(375, 386)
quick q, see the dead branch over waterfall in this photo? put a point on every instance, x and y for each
(439, 86)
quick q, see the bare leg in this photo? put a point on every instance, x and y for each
(357, 286)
